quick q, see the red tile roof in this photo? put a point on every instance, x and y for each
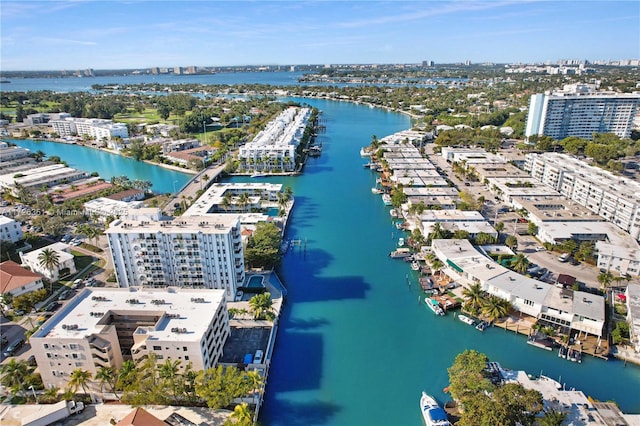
(13, 276)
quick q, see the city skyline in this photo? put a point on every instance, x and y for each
(39, 35)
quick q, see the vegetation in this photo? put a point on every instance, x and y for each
(263, 246)
(485, 403)
(262, 307)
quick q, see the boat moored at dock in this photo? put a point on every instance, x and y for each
(434, 306)
(400, 253)
(467, 320)
(432, 413)
(386, 199)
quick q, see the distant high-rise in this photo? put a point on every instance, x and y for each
(177, 70)
(427, 63)
(580, 111)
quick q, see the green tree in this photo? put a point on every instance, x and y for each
(467, 377)
(262, 306)
(241, 416)
(263, 246)
(552, 418)
(221, 385)
(474, 298)
(495, 308)
(605, 279)
(107, 375)
(511, 241)
(49, 259)
(14, 375)
(520, 263)
(532, 228)
(79, 378)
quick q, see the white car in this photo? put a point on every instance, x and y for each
(540, 248)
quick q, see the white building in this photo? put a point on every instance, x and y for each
(16, 280)
(103, 327)
(36, 178)
(189, 251)
(105, 207)
(621, 258)
(583, 312)
(97, 128)
(274, 148)
(66, 265)
(470, 156)
(617, 199)
(261, 196)
(633, 313)
(456, 220)
(10, 230)
(580, 111)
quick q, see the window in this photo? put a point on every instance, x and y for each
(186, 357)
(184, 348)
(157, 348)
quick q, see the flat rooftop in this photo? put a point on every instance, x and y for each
(556, 209)
(215, 194)
(210, 224)
(87, 313)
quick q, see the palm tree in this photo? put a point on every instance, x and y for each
(242, 415)
(169, 373)
(254, 378)
(127, 375)
(14, 375)
(262, 306)
(520, 263)
(511, 241)
(437, 232)
(107, 375)
(495, 308)
(49, 259)
(79, 378)
(474, 298)
(244, 200)
(552, 418)
(605, 278)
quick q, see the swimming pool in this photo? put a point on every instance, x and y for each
(273, 212)
(255, 281)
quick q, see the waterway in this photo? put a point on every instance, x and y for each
(109, 165)
(355, 345)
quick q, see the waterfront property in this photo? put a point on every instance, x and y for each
(274, 148)
(104, 207)
(96, 128)
(36, 178)
(64, 266)
(564, 310)
(633, 313)
(103, 327)
(455, 220)
(579, 110)
(190, 251)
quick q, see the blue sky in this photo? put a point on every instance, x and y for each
(51, 35)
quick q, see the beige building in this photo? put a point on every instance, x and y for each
(103, 327)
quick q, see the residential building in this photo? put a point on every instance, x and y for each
(615, 198)
(103, 327)
(43, 176)
(104, 207)
(65, 266)
(471, 156)
(455, 220)
(127, 195)
(96, 128)
(188, 251)
(621, 258)
(571, 310)
(274, 148)
(633, 314)
(10, 230)
(16, 280)
(44, 118)
(261, 197)
(579, 110)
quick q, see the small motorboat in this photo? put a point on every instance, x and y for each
(467, 320)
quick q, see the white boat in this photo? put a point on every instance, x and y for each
(482, 325)
(434, 306)
(415, 266)
(432, 413)
(400, 242)
(364, 152)
(386, 199)
(376, 190)
(465, 319)
(400, 253)
(257, 175)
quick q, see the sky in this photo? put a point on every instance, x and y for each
(110, 34)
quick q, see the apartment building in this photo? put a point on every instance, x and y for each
(103, 327)
(65, 266)
(97, 128)
(36, 178)
(579, 110)
(104, 207)
(10, 230)
(617, 199)
(274, 148)
(188, 251)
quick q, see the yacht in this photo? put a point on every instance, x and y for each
(415, 266)
(434, 306)
(401, 253)
(364, 152)
(386, 199)
(400, 242)
(376, 190)
(432, 413)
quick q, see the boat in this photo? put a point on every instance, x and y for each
(364, 152)
(394, 213)
(465, 319)
(257, 175)
(434, 306)
(432, 413)
(562, 353)
(574, 355)
(377, 190)
(542, 343)
(415, 266)
(400, 242)
(482, 325)
(400, 253)
(386, 199)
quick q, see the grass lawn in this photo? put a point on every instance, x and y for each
(81, 260)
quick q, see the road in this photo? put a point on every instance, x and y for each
(192, 188)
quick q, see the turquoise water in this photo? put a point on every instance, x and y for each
(255, 281)
(109, 165)
(355, 346)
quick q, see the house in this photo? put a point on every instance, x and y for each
(65, 266)
(16, 280)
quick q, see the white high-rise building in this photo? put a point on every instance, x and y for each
(580, 111)
(191, 252)
(103, 327)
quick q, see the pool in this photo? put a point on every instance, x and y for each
(255, 281)
(273, 211)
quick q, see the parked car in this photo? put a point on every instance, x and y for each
(540, 248)
(564, 257)
(13, 348)
(52, 306)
